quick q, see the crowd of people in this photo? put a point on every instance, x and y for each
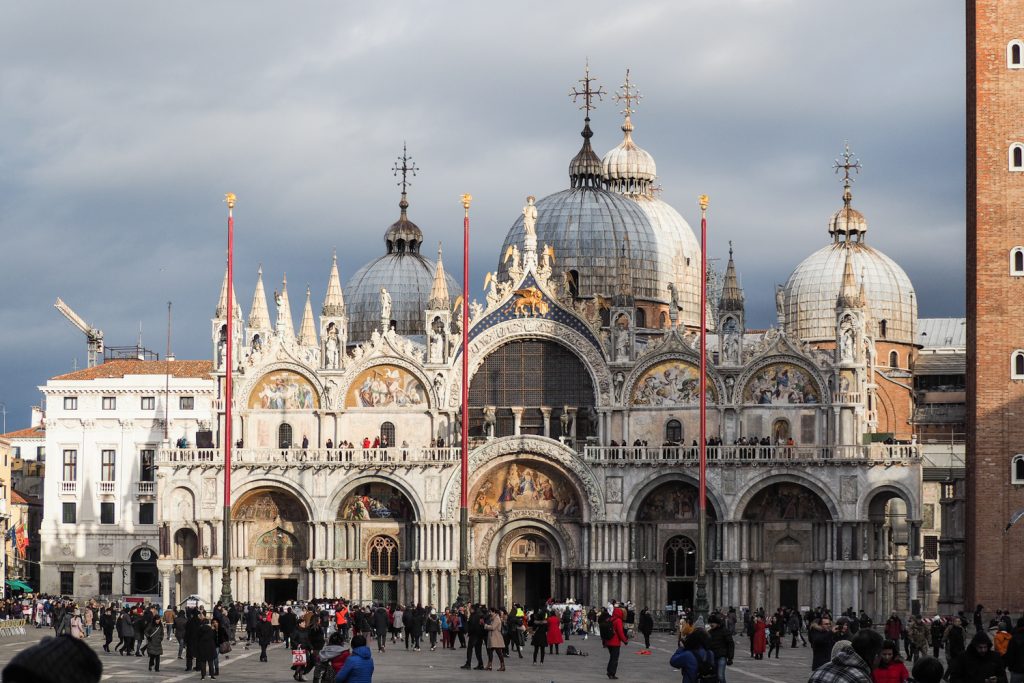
(331, 639)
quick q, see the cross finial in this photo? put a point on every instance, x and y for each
(588, 93)
(630, 95)
(407, 167)
(850, 163)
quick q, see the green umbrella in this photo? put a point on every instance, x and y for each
(19, 585)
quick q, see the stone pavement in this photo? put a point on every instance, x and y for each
(400, 666)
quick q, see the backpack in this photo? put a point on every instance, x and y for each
(605, 626)
(706, 671)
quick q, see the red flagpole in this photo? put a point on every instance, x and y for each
(464, 450)
(701, 604)
(225, 582)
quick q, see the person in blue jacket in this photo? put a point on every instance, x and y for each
(696, 649)
(358, 668)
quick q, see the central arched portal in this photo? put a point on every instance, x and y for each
(273, 528)
(531, 559)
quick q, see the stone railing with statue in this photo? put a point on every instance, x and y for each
(397, 456)
(754, 454)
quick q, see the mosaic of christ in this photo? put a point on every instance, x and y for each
(524, 486)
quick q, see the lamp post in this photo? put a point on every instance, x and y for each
(225, 579)
(464, 450)
(701, 599)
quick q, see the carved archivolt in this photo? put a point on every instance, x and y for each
(593, 359)
(550, 527)
(582, 476)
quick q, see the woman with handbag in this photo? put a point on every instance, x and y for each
(154, 635)
(221, 638)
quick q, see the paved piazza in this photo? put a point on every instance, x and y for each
(398, 665)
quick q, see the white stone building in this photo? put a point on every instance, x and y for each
(104, 426)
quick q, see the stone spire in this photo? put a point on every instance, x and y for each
(259, 314)
(334, 300)
(307, 332)
(732, 294)
(285, 327)
(439, 299)
(222, 302)
(849, 292)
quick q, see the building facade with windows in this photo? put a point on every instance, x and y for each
(104, 425)
(995, 303)
(583, 408)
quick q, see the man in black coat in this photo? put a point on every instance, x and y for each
(475, 629)
(191, 639)
(264, 634)
(286, 622)
(380, 626)
(822, 637)
(721, 643)
(979, 662)
(1014, 657)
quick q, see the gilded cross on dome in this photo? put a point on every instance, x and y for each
(630, 95)
(588, 93)
(408, 166)
(847, 165)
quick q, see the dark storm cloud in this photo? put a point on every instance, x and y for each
(124, 123)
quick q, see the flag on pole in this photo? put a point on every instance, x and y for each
(1014, 518)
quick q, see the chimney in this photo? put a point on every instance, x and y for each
(37, 416)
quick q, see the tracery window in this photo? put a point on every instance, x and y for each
(383, 556)
(680, 558)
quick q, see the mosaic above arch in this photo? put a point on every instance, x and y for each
(786, 502)
(781, 384)
(524, 485)
(283, 390)
(671, 383)
(376, 501)
(386, 386)
(673, 501)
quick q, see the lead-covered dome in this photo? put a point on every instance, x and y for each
(406, 275)
(810, 294)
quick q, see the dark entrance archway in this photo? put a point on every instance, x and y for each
(279, 591)
(530, 562)
(145, 580)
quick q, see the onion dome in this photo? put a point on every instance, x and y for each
(628, 168)
(813, 290)
(402, 271)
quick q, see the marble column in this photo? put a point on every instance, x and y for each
(517, 419)
(546, 412)
(165, 587)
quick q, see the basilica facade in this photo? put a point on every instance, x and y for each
(583, 410)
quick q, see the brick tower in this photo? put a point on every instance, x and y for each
(995, 303)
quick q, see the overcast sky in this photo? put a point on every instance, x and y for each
(124, 123)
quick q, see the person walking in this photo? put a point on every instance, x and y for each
(759, 639)
(539, 640)
(794, 623)
(264, 636)
(126, 632)
(937, 631)
(646, 626)
(180, 622)
(894, 630)
(775, 636)
(380, 627)
(433, 627)
(1014, 657)
(168, 620)
(206, 647)
(721, 643)
(822, 637)
(286, 622)
(978, 663)
(154, 643)
(475, 631)
(554, 633)
(955, 639)
(851, 664)
(891, 668)
(694, 654)
(614, 641)
(107, 623)
(495, 640)
(192, 627)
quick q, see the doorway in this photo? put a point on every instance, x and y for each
(789, 593)
(385, 592)
(278, 591)
(531, 583)
(680, 593)
(144, 576)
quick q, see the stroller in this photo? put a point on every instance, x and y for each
(323, 672)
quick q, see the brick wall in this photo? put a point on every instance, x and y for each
(995, 304)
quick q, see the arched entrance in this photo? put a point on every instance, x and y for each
(144, 577)
(383, 516)
(530, 560)
(273, 526)
(893, 538)
(788, 528)
(680, 571)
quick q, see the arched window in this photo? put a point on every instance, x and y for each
(641, 318)
(1014, 56)
(1017, 365)
(673, 431)
(1017, 261)
(383, 556)
(1017, 157)
(284, 435)
(1017, 469)
(894, 359)
(680, 558)
(883, 327)
(663, 320)
(387, 434)
(573, 278)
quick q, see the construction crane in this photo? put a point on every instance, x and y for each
(93, 336)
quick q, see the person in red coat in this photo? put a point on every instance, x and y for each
(891, 668)
(617, 640)
(554, 632)
(760, 642)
